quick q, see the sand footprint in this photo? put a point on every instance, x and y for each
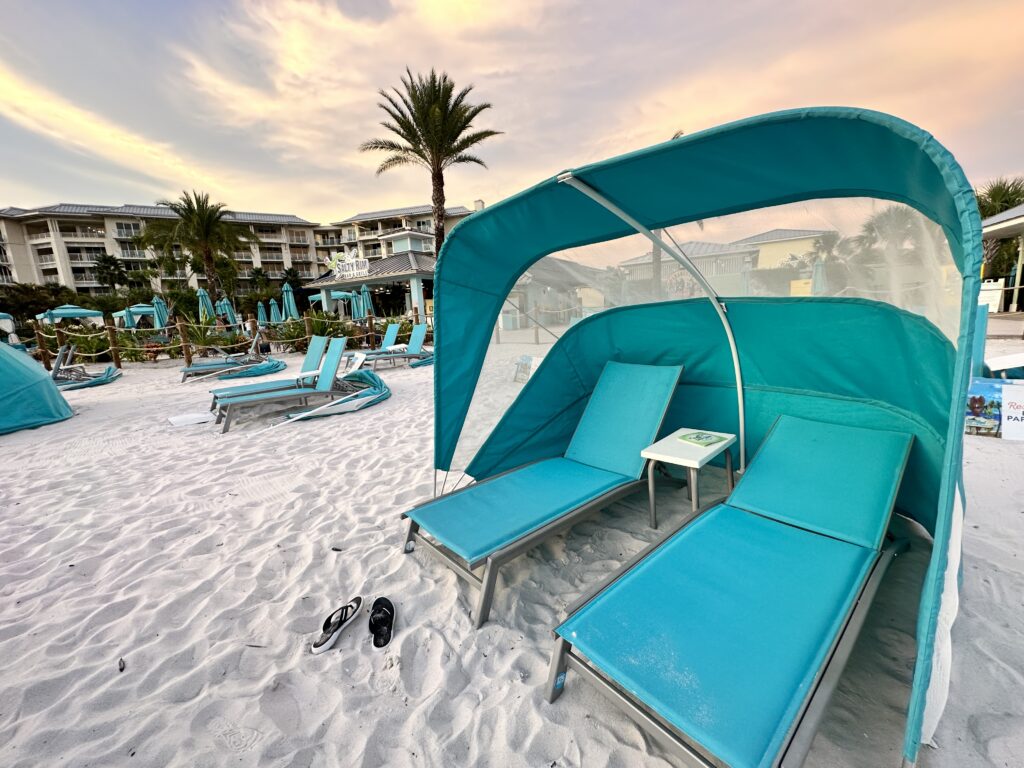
(236, 738)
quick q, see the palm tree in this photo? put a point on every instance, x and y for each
(260, 280)
(110, 271)
(433, 125)
(200, 227)
(999, 195)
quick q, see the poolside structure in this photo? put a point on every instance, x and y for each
(902, 273)
(1008, 225)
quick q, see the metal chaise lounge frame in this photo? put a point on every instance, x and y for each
(799, 733)
(609, 387)
(325, 386)
(411, 351)
(309, 370)
(227, 361)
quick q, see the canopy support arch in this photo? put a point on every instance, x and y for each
(677, 254)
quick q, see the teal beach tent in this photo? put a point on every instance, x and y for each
(261, 315)
(288, 305)
(68, 312)
(130, 315)
(28, 396)
(160, 313)
(275, 313)
(566, 266)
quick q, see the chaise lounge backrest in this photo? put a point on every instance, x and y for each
(832, 479)
(623, 416)
(329, 368)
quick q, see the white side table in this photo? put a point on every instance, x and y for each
(672, 450)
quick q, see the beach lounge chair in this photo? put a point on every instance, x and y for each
(307, 373)
(490, 523)
(226, 361)
(70, 376)
(324, 386)
(726, 641)
(390, 338)
(411, 352)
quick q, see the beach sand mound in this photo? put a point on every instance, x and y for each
(206, 563)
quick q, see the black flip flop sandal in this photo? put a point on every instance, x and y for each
(382, 622)
(334, 624)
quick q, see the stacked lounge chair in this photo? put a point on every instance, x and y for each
(324, 385)
(307, 374)
(726, 641)
(412, 352)
(496, 520)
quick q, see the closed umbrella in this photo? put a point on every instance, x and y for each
(261, 315)
(291, 309)
(160, 313)
(129, 318)
(229, 312)
(206, 311)
(367, 302)
(819, 282)
(275, 313)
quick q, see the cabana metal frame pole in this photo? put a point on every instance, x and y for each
(684, 261)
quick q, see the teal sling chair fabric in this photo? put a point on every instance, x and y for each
(860, 362)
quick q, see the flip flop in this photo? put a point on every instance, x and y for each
(334, 624)
(382, 622)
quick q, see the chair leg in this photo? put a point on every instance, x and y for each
(650, 495)
(556, 670)
(227, 420)
(410, 537)
(483, 605)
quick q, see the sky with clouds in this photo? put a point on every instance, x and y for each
(264, 102)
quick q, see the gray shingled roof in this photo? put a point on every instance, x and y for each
(143, 211)
(694, 249)
(390, 213)
(402, 265)
(782, 234)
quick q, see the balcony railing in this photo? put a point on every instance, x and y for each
(40, 236)
(6, 278)
(46, 259)
(298, 240)
(271, 256)
(126, 234)
(83, 234)
(323, 241)
(134, 254)
(51, 280)
(83, 258)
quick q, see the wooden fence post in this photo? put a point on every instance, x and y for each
(186, 348)
(416, 315)
(497, 331)
(536, 333)
(370, 330)
(61, 338)
(44, 353)
(115, 352)
(253, 328)
(308, 321)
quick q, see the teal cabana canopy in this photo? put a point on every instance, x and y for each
(130, 315)
(888, 347)
(67, 312)
(28, 396)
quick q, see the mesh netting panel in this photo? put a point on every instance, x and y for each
(854, 247)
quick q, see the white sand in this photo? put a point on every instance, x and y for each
(206, 563)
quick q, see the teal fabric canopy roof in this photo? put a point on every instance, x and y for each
(852, 364)
(28, 396)
(67, 312)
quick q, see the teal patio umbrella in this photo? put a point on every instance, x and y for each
(367, 301)
(291, 309)
(261, 315)
(229, 312)
(128, 316)
(160, 313)
(275, 313)
(206, 311)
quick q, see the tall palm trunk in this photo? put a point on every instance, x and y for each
(437, 182)
(212, 281)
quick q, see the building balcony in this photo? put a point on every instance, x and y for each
(46, 261)
(51, 280)
(6, 278)
(139, 255)
(82, 258)
(83, 234)
(298, 240)
(325, 242)
(39, 236)
(271, 257)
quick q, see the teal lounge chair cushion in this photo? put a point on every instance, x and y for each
(836, 480)
(483, 518)
(722, 630)
(623, 416)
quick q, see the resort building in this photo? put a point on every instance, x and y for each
(390, 251)
(725, 264)
(59, 244)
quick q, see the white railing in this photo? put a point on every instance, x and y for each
(82, 257)
(83, 234)
(6, 278)
(126, 234)
(298, 240)
(40, 236)
(46, 259)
